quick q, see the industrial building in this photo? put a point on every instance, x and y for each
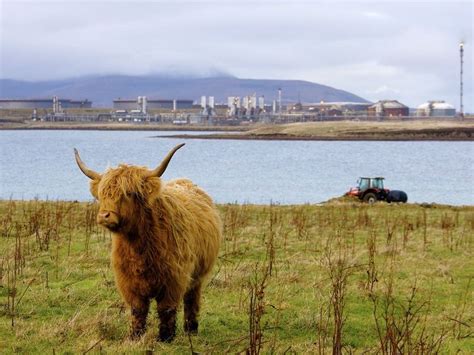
(332, 108)
(388, 108)
(122, 104)
(249, 105)
(436, 109)
(43, 103)
(168, 104)
(137, 104)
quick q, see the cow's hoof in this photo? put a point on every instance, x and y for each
(191, 327)
(166, 335)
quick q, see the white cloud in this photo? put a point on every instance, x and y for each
(375, 15)
(384, 89)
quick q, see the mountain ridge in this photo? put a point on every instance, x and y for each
(102, 90)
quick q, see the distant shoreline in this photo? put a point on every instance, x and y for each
(277, 137)
(427, 130)
(7, 126)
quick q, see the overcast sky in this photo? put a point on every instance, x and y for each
(376, 49)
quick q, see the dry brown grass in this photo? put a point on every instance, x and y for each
(357, 128)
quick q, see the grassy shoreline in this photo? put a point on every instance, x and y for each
(288, 270)
(427, 130)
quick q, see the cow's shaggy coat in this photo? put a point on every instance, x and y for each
(166, 237)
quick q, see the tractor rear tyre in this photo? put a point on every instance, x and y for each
(370, 198)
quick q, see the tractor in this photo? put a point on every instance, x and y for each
(371, 190)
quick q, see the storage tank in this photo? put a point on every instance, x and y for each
(211, 101)
(437, 108)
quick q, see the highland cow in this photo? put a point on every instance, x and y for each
(165, 240)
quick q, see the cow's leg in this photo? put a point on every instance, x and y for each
(192, 299)
(139, 312)
(167, 317)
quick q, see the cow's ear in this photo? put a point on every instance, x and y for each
(94, 188)
(153, 187)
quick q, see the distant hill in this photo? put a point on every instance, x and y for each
(101, 90)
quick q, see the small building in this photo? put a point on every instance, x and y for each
(436, 109)
(388, 108)
(345, 108)
(331, 112)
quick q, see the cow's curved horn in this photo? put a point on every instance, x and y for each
(164, 164)
(91, 174)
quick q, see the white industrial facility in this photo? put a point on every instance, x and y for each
(436, 109)
(249, 105)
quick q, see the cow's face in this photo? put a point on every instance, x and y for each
(122, 194)
(124, 191)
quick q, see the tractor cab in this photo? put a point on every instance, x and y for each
(371, 190)
(365, 183)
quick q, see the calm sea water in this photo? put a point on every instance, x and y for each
(41, 164)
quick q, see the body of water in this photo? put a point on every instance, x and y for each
(40, 164)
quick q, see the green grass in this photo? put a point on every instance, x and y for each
(54, 269)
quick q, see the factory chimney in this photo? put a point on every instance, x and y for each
(279, 103)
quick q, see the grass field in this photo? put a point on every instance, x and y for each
(358, 128)
(336, 278)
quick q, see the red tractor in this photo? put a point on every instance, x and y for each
(371, 190)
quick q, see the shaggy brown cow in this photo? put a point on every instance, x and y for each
(166, 237)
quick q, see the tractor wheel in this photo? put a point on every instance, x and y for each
(370, 198)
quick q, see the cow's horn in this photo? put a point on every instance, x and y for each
(164, 164)
(91, 174)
